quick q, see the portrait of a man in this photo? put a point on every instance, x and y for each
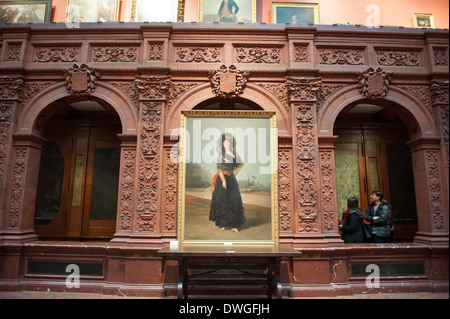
(228, 11)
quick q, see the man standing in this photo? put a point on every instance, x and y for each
(378, 214)
(227, 11)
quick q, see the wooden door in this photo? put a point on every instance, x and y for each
(88, 159)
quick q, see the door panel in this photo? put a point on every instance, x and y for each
(87, 183)
(102, 182)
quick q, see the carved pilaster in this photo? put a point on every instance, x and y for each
(153, 92)
(304, 94)
(328, 186)
(440, 102)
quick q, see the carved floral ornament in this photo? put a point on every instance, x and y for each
(374, 84)
(228, 82)
(80, 80)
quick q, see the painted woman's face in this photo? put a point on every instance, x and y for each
(226, 144)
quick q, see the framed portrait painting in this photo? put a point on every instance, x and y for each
(295, 13)
(92, 10)
(228, 178)
(228, 11)
(34, 11)
(423, 20)
(156, 10)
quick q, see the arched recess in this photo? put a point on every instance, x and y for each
(424, 146)
(106, 92)
(29, 139)
(252, 93)
(406, 107)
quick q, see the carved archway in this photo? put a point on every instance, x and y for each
(253, 93)
(28, 142)
(104, 91)
(428, 164)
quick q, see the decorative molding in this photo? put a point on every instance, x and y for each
(176, 90)
(56, 54)
(398, 58)
(341, 56)
(152, 87)
(439, 92)
(327, 190)
(155, 51)
(303, 89)
(80, 80)
(170, 193)
(434, 189)
(284, 189)
(114, 54)
(126, 192)
(422, 93)
(440, 56)
(149, 166)
(301, 53)
(198, 54)
(279, 90)
(258, 55)
(17, 187)
(228, 82)
(307, 195)
(14, 50)
(11, 87)
(374, 84)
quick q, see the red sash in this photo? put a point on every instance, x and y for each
(217, 174)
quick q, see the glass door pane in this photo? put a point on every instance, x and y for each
(105, 183)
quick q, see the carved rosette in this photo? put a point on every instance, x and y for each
(228, 82)
(374, 84)
(80, 80)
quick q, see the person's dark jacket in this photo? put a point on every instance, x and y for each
(231, 5)
(381, 227)
(352, 232)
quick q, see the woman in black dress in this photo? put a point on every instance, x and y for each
(226, 209)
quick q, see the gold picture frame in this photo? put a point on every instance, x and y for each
(295, 13)
(92, 11)
(249, 215)
(423, 20)
(245, 11)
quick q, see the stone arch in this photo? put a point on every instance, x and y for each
(117, 99)
(425, 148)
(416, 117)
(252, 93)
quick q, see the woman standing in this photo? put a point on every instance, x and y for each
(351, 227)
(226, 209)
